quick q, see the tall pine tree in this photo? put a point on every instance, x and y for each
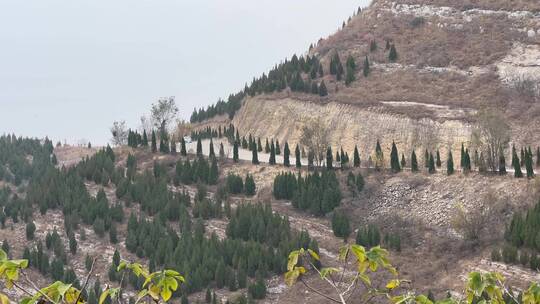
(254, 156)
(450, 163)
(394, 159)
(154, 143)
(329, 158)
(212, 152)
(356, 157)
(366, 69)
(235, 151)
(529, 163)
(183, 150)
(431, 166)
(199, 147)
(267, 147)
(145, 139)
(286, 154)
(272, 159)
(379, 157)
(393, 55)
(516, 163)
(259, 145)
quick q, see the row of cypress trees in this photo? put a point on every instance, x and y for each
(432, 161)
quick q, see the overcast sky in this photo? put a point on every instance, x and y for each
(68, 69)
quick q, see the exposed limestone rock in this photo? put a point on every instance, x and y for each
(522, 62)
(350, 125)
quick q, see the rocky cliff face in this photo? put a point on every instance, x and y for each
(351, 125)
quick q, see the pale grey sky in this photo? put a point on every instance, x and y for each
(68, 69)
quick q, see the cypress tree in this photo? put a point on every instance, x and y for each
(251, 143)
(538, 157)
(213, 174)
(267, 147)
(502, 163)
(356, 157)
(516, 164)
(154, 144)
(450, 163)
(431, 168)
(254, 157)
(298, 157)
(212, 153)
(221, 151)
(183, 150)
(323, 91)
(462, 161)
(379, 157)
(341, 225)
(259, 145)
(393, 55)
(235, 152)
(199, 147)
(403, 161)
(278, 149)
(394, 159)
(329, 158)
(30, 229)
(522, 153)
(529, 164)
(438, 161)
(286, 154)
(366, 67)
(344, 158)
(426, 159)
(145, 139)
(349, 77)
(272, 159)
(72, 244)
(467, 167)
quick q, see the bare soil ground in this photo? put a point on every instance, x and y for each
(434, 257)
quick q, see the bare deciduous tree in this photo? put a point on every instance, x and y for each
(163, 112)
(315, 136)
(470, 223)
(492, 134)
(119, 133)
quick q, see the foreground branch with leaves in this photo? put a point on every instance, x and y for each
(481, 288)
(157, 287)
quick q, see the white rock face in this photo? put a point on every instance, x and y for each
(449, 12)
(522, 62)
(351, 125)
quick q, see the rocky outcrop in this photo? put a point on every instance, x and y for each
(350, 125)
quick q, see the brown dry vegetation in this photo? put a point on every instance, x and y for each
(513, 5)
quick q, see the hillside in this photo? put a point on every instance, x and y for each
(341, 153)
(453, 59)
